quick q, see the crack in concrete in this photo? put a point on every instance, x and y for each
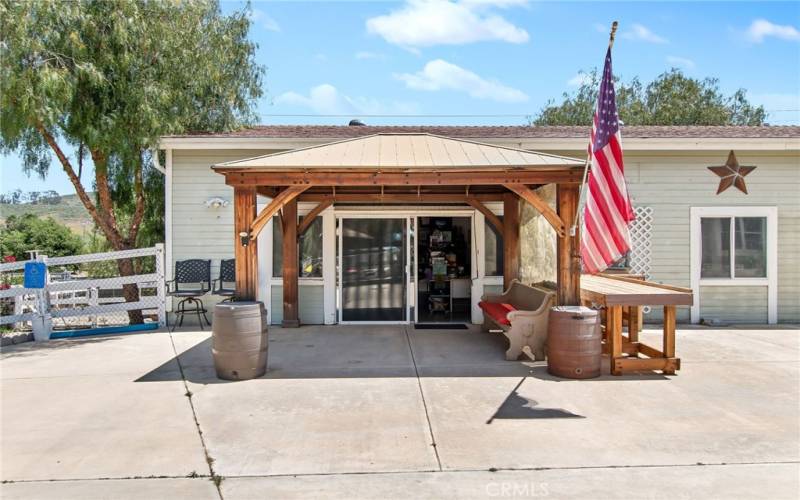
(424, 403)
(420, 471)
(216, 479)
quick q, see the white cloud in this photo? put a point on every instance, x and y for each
(680, 62)
(325, 99)
(643, 33)
(260, 18)
(364, 55)
(424, 23)
(579, 79)
(761, 28)
(442, 75)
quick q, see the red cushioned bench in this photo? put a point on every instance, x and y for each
(521, 313)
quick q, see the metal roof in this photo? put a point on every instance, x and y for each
(404, 151)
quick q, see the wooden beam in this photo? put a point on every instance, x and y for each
(511, 248)
(244, 212)
(284, 197)
(349, 178)
(399, 197)
(669, 335)
(488, 214)
(667, 365)
(291, 317)
(614, 336)
(539, 204)
(568, 261)
(309, 218)
(269, 192)
(634, 322)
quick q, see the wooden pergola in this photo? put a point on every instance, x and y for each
(412, 169)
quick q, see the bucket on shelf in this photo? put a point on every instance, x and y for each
(240, 340)
(574, 344)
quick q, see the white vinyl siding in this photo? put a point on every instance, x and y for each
(669, 182)
(673, 184)
(739, 304)
(310, 302)
(199, 232)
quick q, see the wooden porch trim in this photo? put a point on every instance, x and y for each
(378, 178)
(291, 284)
(399, 197)
(539, 204)
(511, 243)
(245, 248)
(568, 260)
(488, 214)
(309, 218)
(284, 197)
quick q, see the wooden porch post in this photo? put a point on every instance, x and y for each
(568, 248)
(244, 212)
(290, 266)
(511, 248)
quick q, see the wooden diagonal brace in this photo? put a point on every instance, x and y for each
(539, 204)
(308, 219)
(491, 218)
(276, 204)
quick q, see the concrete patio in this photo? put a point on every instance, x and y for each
(391, 412)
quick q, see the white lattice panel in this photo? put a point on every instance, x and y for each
(641, 256)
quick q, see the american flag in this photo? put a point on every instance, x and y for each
(608, 210)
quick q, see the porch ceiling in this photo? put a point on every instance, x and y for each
(402, 152)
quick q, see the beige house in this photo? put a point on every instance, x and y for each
(737, 251)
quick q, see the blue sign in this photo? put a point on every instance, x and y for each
(35, 275)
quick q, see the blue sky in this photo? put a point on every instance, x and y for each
(496, 57)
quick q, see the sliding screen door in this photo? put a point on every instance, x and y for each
(373, 253)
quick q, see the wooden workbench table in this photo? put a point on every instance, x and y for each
(626, 296)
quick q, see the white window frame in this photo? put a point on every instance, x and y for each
(770, 281)
(265, 248)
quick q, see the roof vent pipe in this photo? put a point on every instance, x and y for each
(356, 123)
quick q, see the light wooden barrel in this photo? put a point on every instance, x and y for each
(574, 348)
(240, 341)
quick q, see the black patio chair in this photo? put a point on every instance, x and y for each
(227, 277)
(192, 281)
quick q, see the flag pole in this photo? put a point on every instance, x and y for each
(574, 229)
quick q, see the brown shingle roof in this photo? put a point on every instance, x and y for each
(474, 132)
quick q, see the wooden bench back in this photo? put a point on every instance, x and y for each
(528, 298)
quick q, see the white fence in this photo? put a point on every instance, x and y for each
(82, 297)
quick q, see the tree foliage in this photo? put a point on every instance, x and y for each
(671, 99)
(111, 76)
(28, 232)
(108, 78)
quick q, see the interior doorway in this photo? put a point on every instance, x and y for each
(444, 269)
(373, 270)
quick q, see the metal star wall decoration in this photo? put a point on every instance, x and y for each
(732, 174)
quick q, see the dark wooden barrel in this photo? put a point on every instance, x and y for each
(239, 341)
(574, 347)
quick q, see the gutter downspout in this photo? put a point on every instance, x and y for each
(167, 171)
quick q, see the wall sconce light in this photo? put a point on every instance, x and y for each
(217, 202)
(244, 238)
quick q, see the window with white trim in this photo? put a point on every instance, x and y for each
(733, 247)
(309, 252)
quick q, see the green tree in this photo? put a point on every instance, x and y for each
(671, 99)
(29, 232)
(108, 77)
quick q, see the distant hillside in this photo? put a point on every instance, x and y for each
(69, 211)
